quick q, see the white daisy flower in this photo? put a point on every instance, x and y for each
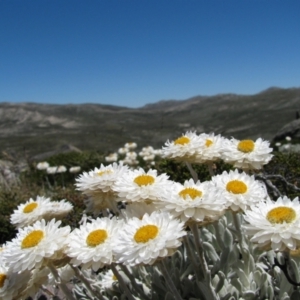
(61, 169)
(35, 243)
(29, 212)
(98, 185)
(240, 190)
(75, 169)
(130, 145)
(57, 210)
(143, 241)
(91, 245)
(123, 150)
(51, 170)
(211, 148)
(12, 283)
(112, 157)
(138, 185)
(274, 224)
(247, 154)
(183, 148)
(43, 165)
(194, 202)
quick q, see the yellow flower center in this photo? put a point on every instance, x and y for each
(236, 187)
(2, 280)
(246, 146)
(281, 214)
(146, 233)
(114, 278)
(182, 140)
(144, 180)
(30, 207)
(208, 143)
(96, 237)
(191, 192)
(32, 239)
(101, 173)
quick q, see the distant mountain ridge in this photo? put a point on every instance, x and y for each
(36, 128)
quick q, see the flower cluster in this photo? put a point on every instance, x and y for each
(142, 218)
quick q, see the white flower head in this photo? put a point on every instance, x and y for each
(130, 145)
(143, 241)
(29, 212)
(194, 202)
(184, 148)
(123, 150)
(275, 225)
(112, 157)
(240, 190)
(211, 148)
(138, 185)
(100, 179)
(98, 185)
(61, 169)
(35, 243)
(75, 169)
(247, 154)
(91, 245)
(43, 165)
(51, 170)
(57, 210)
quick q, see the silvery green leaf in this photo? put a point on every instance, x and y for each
(243, 278)
(206, 235)
(257, 277)
(211, 252)
(228, 238)
(270, 293)
(249, 295)
(295, 270)
(220, 234)
(221, 282)
(280, 258)
(237, 284)
(224, 259)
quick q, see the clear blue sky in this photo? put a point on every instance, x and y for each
(133, 52)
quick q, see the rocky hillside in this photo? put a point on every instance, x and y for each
(37, 128)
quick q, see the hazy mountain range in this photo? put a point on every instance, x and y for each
(37, 128)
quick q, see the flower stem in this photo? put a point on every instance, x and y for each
(210, 169)
(122, 282)
(86, 283)
(206, 271)
(192, 171)
(63, 287)
(191, 255)
(169, 280)
(134, 283)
